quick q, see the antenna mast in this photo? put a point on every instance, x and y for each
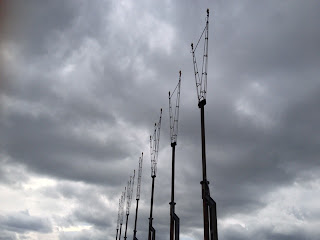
(174, 219)
(209, 205)
(138, 196)
(154, 150)
(118, 221)
(129, 198)
(123, 197)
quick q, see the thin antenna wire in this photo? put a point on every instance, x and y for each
(130, 191)
(122, 205)
(201, 81)
(139, 177)
(131, 188)
(154, 146)
(174, 118)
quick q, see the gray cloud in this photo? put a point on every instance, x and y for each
(23, 222)
(83, 235)
(5, 235)
(87, 82)
(237, 232)
(89, 205)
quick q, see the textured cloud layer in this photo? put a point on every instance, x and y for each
(81, 88)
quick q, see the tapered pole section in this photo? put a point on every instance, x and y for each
(172, 203)
(117, 234)
(204, 181)
(151, 208)
(125, 233)
(135, 221)
(120, 231)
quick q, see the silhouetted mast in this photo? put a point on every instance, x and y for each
(119, 212)
(129, 198)
(123, 197)
(154, 150)
(209, 205)
(174, 117)
(138, 196)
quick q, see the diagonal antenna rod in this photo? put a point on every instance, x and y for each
(209, 205)
(201, 80)
(174, 219)
(154, 150)
(123, 197)
(154, 146)
(138, 196)
(129, 198)
(174, 116)
(131, 192)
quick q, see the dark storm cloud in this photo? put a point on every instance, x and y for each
(38, 21)
(32, 149)
(22, 222)
(47, 150)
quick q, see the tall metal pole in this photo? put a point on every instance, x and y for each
(209, 205)
(129, 198)
(151, 229)
(135, 222)
(127, 212)
(123, 197)
(174, 117)
(119, 213)
(154, 150)
(172, 203)
(120, 231)
(125, 233)
(138, 196)
(204, 181)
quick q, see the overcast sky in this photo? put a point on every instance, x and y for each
(82, 84)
